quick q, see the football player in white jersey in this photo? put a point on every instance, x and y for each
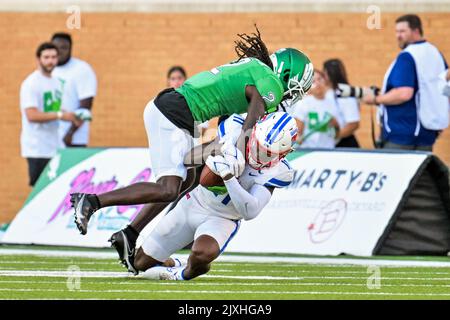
(211, 216)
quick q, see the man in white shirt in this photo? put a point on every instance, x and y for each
(40, 104)
(80, 88)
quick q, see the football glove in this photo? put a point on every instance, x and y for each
(219, 166)
(233, 156)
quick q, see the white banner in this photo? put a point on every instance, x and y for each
(47, 218)
(339, 202)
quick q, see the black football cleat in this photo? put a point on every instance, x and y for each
(126, 250)
(84, 209)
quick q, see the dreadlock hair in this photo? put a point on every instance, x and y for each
(251, 46)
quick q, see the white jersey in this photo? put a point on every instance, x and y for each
(39, 139)
(80, 83)
(219, 203)
(312, 112)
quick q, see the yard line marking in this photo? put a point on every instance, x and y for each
(59, 262)
(59, 273)
(239, 258)
(324, 271)
(320, 277)
(107, 274)
(220, 284)
(231, 292)
(59, 265)
(55, 268)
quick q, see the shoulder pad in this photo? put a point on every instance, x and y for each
(230, 126)
(279, 176)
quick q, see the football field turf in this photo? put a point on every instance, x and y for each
(71, 277)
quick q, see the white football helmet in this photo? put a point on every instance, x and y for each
(272, 139)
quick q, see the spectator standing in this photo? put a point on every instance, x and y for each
(316, 116)
(80, 88)
(348, 115)
(40, 104)
(413, 108)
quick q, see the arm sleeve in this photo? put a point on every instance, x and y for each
(403, 73)
(86, 83)
(28, 96)
(248, 204)
(230, 129)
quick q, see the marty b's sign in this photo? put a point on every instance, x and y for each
(339, 201)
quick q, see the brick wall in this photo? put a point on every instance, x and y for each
(131, 52)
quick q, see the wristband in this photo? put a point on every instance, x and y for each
(59, 115)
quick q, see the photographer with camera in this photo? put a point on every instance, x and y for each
(414, 110)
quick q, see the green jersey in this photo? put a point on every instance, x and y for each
(221, 91)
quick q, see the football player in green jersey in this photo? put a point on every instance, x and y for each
(255, 84)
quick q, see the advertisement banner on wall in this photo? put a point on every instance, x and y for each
(47, 216)
(339, 202)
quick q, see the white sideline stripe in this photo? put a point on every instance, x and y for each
(111, 274)
(34, 262)
(322, 277)
(59, 253)
(221, 284)
(325, 271)
(240, 258)
(230, 292)
(81, 263)
(61, 267)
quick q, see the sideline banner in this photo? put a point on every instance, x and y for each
(339, 201)
(47, 216)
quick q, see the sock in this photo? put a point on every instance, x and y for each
(131, 233)
(93, 199)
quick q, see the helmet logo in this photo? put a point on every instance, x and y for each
(307, 77)
(280, 68)
(270, 97)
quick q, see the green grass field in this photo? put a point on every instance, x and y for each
(44, 277)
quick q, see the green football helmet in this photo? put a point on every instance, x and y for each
(295, 71)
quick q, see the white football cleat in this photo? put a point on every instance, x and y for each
(179, 262)
(163, 273)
